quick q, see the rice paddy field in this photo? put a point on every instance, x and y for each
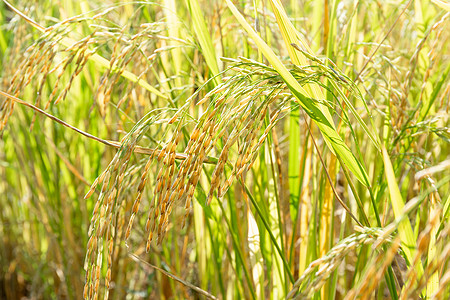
(235, 149)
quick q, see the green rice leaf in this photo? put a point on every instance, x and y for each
(404, 227)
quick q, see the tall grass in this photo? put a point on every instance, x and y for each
(224, 149)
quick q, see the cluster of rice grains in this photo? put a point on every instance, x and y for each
(108, 215)
(317, 273)
(233, 118)
(238, 116)
(55, 53)
(386, 248)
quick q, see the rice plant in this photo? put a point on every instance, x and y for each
(225, 149)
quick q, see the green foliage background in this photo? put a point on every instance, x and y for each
(224, 149)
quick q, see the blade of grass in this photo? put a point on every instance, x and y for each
(170, 11)
(433, 280)
(204, 37)
(267, 226)
(256, 259)
(303, 209)
(404, 228)
(290, 36)
(442, 4)
(278, 276)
